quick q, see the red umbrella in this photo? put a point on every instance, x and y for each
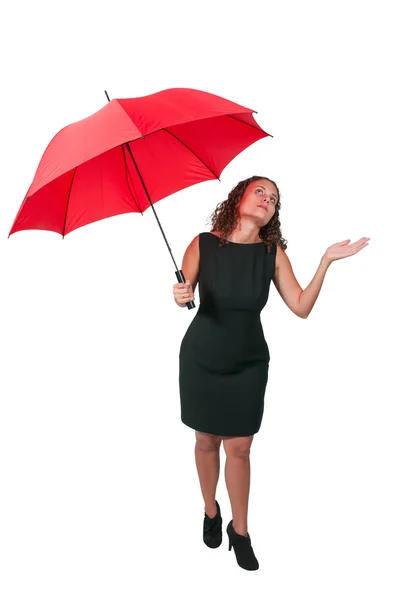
(132, 153)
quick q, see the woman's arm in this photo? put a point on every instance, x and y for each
(301, 301)
(298, 300)
(184, 292)
(191, 263)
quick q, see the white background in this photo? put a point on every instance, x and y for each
(99, 491)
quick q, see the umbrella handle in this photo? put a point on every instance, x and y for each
(181, 279)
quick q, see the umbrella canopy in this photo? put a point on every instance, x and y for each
(132, 153)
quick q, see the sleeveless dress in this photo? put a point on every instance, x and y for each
(224, 357)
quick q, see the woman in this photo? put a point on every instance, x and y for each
(224, 356)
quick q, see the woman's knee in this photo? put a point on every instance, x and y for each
(238, 446)
(207, 441)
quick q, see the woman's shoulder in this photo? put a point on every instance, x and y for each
(209, 234)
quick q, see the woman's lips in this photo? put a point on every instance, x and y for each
(264, 207)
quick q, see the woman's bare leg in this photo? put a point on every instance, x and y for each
(237, 479)
(207, 458)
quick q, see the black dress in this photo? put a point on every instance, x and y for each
(224, 356)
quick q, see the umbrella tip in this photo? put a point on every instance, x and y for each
(106, 94)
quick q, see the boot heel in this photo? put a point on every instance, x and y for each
(243, 549)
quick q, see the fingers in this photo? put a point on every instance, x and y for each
(360, 241)
(354, 248)
(359, 244)
(184, 301)
(183, 293)
(182, 288)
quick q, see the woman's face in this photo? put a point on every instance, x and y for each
(259, 201)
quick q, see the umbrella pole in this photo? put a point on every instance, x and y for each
(178, 272)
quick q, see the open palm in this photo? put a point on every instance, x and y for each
(344, 249)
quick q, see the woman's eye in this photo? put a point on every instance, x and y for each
(262, 191)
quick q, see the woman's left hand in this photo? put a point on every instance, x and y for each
(344, 249)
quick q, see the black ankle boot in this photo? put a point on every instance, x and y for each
(242, 548)
(212, 532)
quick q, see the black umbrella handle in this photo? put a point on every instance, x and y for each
(181, 279)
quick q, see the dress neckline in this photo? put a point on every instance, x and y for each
(236, 243)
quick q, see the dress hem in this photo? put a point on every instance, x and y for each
(220, 434)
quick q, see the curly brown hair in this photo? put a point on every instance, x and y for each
(225, 216)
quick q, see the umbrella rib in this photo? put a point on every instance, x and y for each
(67, 204)
(127, 178)
(190, 150)
(248, 124)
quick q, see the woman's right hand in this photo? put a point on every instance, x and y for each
(183, 293)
